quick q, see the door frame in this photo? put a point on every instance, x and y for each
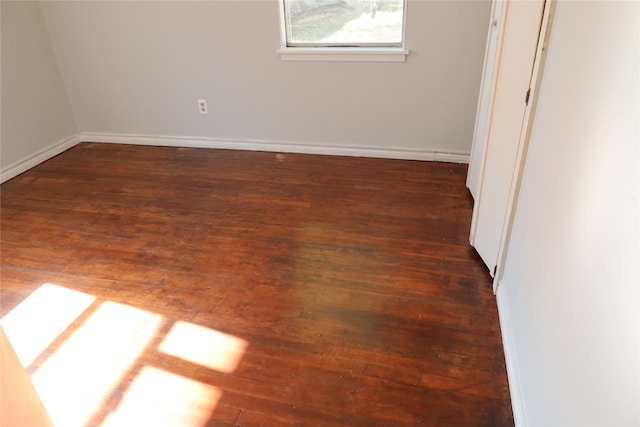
(521, 47)
(525, 136)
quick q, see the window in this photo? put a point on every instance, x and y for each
(370, 30)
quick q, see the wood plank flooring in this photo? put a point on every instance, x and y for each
(247, 288)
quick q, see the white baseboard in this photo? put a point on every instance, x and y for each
(231, 144)
(512, 367)
(39, 157)
(274, 146)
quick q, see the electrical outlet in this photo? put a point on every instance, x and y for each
(202, 106)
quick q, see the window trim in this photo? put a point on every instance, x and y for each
(360, 53)
(356, 54)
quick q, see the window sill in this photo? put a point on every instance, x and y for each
(360, 54)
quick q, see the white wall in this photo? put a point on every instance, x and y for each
(35, 109)
(569, 299)
(139, 67)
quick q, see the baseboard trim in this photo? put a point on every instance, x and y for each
(230, 144)
(39, 157)
(510, 360)
(274, 146)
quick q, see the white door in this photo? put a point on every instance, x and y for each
(486, 94)
(517, 47)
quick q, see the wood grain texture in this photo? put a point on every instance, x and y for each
(351, 280)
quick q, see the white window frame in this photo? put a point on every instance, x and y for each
(324, 53)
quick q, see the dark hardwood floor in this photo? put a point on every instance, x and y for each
(217, 287)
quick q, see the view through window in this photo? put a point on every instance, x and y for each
(344, 23)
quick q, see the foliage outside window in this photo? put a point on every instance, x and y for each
(344, 23)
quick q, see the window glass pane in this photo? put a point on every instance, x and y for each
(344, 22)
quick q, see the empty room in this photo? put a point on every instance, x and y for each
(319, 213)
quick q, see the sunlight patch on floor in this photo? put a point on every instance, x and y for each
(76, 379)
(99, 373)
(56, 307)
(158, 398)
(204, 346)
